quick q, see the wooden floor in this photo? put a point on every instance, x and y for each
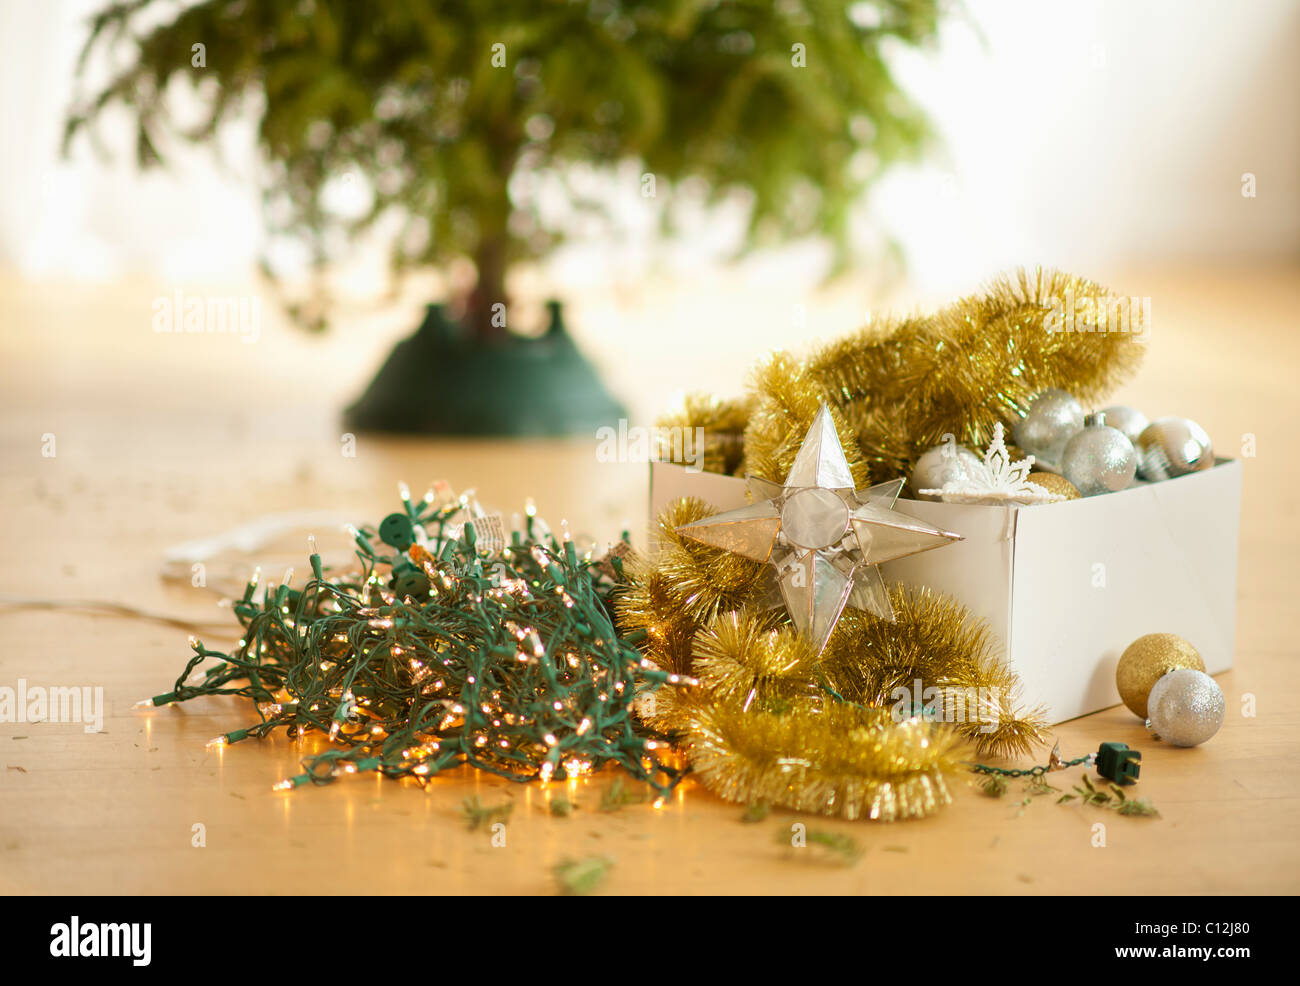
(161, 440)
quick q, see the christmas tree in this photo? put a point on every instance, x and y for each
(454, 114)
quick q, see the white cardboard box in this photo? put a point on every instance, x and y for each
(1067, 586)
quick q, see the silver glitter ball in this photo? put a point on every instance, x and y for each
(1129, 420)
(942, 464)
(1170, 447)
(1099, 459)
(1185, 707)
(1053, 418)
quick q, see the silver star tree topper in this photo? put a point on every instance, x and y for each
(823, 538)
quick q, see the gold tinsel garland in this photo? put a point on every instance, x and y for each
(836, 760)
(899, 385)
(902, 385)
(685, 587)
(935, 656)
(868, 727)
(865, 729)
(722, 424)
(762, 724)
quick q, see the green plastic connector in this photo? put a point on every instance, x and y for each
(1116, 762)
(397, 531)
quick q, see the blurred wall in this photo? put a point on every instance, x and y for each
(1077, 134)
(1089, 134)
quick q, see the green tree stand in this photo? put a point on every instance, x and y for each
(446, 381)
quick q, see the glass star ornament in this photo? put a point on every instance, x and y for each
(997, 480)
(822, 538)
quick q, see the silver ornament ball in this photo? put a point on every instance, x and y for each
(1129, 420)
(1052, 419)
(1099, 459)
(1185, 707)
(1170, 447)
(942, 464)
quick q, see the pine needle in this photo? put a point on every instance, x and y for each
(577, 878)
(617, 796)
(832, 847)
(994, 785)
(476, 815)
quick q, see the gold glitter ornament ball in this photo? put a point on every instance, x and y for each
(1146, 661)
(1055, 484)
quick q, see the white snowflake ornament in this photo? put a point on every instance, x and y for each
(997, 481)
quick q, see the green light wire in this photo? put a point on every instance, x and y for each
(1039, 771)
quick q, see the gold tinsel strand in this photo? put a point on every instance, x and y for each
(834, 760)
(766, 719)
(747, 660)
(720, 422)
(938, 652)
(761, 725)
(788, 400)
(686, 601)
(686, 586)
(902, 384)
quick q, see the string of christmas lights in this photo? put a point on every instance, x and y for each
(443, 648)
